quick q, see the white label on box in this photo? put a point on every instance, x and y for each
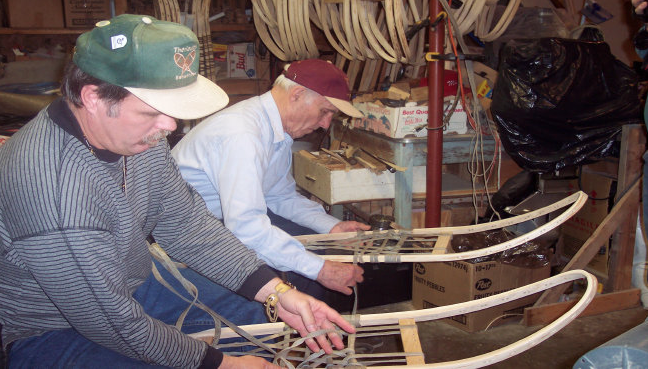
(241, 61)
(405, 121)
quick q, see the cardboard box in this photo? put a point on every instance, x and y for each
(406, 121)
(580, 227)
(220, 52)
(85, 13)
(446, 283)
(340, 186)
(241, 61)
(35, 14)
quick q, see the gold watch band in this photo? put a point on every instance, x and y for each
(273, 299)
(282, 287)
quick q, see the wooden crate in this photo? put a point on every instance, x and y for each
(337, 186)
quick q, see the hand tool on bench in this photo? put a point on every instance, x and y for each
(390, 166)
(334, 155)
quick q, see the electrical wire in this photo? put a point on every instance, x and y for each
(477, 152)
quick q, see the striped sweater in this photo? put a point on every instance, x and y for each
(73, 245)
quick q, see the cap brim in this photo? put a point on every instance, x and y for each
(345, 107)
(194, 101)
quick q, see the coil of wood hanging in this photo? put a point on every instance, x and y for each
(483, 28)
(363, 30)
(360, 29)
(284, 27)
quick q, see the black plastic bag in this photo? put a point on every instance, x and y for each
(560, 102)
(531, 254)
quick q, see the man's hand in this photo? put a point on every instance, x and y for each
(640, 9)
(340, 276)
(243, 362)
(349, 226)
(307, 314)
(640, 6)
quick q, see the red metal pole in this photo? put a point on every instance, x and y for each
(435, 120)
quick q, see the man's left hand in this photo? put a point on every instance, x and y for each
(349, 226)
(307, 314)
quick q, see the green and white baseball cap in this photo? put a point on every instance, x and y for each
(156, 61)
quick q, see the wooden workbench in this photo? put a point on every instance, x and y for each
(410, 152)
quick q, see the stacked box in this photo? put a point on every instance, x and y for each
(446, 283)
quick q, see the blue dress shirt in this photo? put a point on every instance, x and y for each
(239, 160)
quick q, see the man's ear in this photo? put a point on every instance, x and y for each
(296, 93)
(90, 97)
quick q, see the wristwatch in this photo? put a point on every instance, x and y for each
(273, 299)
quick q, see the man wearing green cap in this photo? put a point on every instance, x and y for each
(87, 181)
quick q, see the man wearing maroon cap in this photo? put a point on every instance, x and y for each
(240, 159)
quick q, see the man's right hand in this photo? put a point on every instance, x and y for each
(639, 6)
(340, 276)
(243, 362)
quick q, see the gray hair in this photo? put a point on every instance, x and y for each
(286, 84)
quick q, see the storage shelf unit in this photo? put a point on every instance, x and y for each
(41, 31)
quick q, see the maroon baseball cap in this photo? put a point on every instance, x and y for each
(326, 79)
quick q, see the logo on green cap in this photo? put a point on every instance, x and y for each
(184, 57)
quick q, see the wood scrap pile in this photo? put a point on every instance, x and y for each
(350, 157)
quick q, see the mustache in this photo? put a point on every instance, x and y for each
(154, 138)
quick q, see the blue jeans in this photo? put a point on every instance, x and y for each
(68, 349)
(302, 283)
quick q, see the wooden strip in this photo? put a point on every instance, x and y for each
(361, 41)
(336, 156)
(422, 257)
(397, 167)
(504, 21)
(354, 49)
(471, 16)
(366, 29)
(617, 216)
(322, 11)
(441, 244)
(367, 74)
(366, 164)
(262, 11)
(338, 29)
(313, 15)
(399, 20)
(633, 145)
(311, 45)
(284, 30)
(391, 27)
(540, 315)
(411, 342)
(265, 36)
(293, 28)
(576, 200)
(375, 27)
(419, 45)
(352, 73)
(377, 76)
(307, 155)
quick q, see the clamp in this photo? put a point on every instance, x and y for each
(414, 28)
(433, 56)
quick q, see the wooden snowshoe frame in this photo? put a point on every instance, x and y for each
(431, 244)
